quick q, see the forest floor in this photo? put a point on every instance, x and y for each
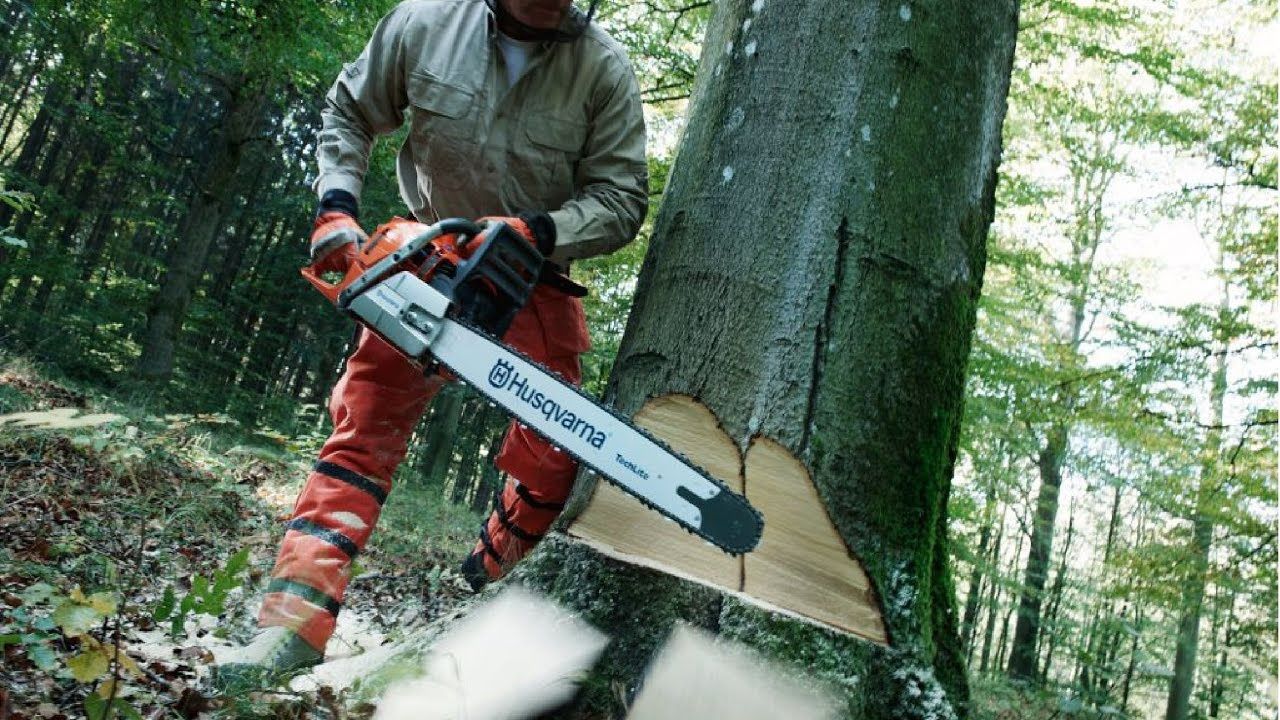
(134, 549)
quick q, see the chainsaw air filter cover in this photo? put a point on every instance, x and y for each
(491, 286)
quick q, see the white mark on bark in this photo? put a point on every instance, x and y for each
(736, 116)
(727, 173)
(753, 425)
(893, 101)
(728, 48)
(757, 6)
(871, 186)
(924, 692)
(904, 12)
(750, 49)
(866, 133)
(719, 69)
(746, 25)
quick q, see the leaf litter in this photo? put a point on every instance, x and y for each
(95, 542)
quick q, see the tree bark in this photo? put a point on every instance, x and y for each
(244, 113)
(1022, 657)
(1055, 600)
(441, 437)
(1217, 689)
(1002, 646)
(851, 149)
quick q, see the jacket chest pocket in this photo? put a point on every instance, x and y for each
(444, 129)
(544, 163)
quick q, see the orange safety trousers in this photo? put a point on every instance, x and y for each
(374, 407)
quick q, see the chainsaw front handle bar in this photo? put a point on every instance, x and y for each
(360, 277)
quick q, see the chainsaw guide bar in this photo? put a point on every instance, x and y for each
(427, 323)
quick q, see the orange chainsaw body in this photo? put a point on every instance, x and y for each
(387, 240)
(487, 272)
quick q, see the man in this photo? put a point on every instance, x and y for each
(520, 109)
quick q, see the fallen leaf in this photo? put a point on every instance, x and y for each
(89, 665)
(195, 652)
(74, 618)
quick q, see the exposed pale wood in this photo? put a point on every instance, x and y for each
(802, 564)
(617, 522)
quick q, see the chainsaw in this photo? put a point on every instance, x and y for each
(443, 294)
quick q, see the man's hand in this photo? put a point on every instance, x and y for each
(536, 227)
(335, 241)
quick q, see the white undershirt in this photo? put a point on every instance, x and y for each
(516, 54)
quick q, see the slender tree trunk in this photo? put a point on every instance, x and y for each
(993, 604)
(1003, 646)
(973, 598)
(10, 117)
(243, 115)
(1202, 527)
(1055, 600)
(1127, 686)
(468, 474)
(33, 142)
(1022, 657)
(441, 437)
(1188, 638)
(1217, 689)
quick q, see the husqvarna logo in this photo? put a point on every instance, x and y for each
(504, 376)
(500, 374)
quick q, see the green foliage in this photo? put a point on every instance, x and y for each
(47, 618)
(1126, 128)
(207, 595)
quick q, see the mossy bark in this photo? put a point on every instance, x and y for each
(813, 278)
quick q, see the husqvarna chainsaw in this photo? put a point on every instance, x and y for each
(441, 295)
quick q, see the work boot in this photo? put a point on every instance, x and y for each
(274, 655)
(474, 573)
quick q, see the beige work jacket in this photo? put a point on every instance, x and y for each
(567, 138)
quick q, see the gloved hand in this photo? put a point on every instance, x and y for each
(337, 236)
(536, 227)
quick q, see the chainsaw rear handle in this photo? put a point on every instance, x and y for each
(373, 263)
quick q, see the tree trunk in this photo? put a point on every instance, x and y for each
(1133, 660)
(1022, 657)
(1188, 640)
(441, 437)
(1002, 646)
(1217, 689)
(1055, 599)
(824, 124)
(33, 143)
(993, 604)
(1202, 526)
(242, 117)
(972, 599)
